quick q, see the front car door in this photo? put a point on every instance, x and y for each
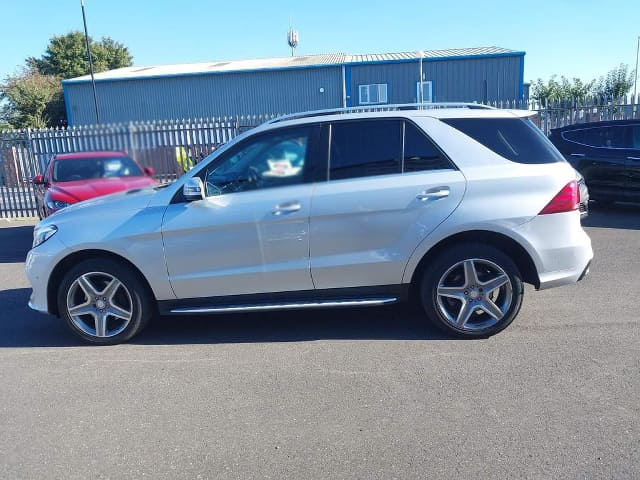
(598, 154)
(388, 187)
(633, 162)
(250, 234)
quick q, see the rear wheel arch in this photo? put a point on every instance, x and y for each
(73, 259)
(506, 244)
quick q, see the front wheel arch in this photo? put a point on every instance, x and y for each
(74, 258)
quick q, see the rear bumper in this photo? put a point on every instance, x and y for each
(559, 247)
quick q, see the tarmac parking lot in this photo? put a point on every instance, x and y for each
(353, 393)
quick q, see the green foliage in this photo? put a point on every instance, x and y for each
(564, 90)
(34, 97)
(66, 56)
(615, 84)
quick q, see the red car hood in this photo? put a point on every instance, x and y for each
(86, 189)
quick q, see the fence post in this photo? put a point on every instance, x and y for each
(133, 148)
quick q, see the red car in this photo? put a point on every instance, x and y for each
(73, 177)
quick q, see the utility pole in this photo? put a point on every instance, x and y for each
(635, 83)
(93, 80)
(420, 86)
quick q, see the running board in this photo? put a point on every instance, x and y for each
(286, 306)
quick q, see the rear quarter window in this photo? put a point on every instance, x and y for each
(515, 139)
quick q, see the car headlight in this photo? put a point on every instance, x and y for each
(42, 234)
(56, 204)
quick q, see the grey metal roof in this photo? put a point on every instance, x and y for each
(283, 62)
(452, 52)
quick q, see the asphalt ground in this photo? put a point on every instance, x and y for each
(366, 393)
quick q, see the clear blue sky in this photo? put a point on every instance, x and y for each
(583, 38)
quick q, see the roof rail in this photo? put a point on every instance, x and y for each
(379, 108)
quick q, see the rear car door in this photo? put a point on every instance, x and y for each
(387, 188)
(250, 234)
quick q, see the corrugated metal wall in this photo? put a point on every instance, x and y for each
(491, 78)
(195, 96)
(461, 80)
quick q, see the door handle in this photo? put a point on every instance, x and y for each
(433, 194)
(635, 159)
(580, 155)
(287, 207)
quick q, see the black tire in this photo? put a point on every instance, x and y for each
(131, 297)
(446, 274)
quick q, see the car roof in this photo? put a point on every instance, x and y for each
(603, 123)
(389, 112)
(83, 155)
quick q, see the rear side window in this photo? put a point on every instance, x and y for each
(365, 148)
(420, 154)
(515, 139)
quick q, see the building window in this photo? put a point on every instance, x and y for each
(427, 92)
(374, 93)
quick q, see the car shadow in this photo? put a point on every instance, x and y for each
(617, 215)
(21, 327)
(16, 243)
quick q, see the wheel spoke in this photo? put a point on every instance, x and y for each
(83, 309)
(497, 282)
(491, 308)
(118, 312)
(111, 289)
(101, 324)
(452, 292)
(464, 314)
(470, 275)
(87, 287)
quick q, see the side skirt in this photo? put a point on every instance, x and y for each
(330, 298)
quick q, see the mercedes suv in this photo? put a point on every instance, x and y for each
(454, 208)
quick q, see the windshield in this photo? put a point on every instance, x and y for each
(90, 168)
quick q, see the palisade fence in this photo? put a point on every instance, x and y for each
(166, 146)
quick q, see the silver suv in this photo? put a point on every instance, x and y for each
(455, 207)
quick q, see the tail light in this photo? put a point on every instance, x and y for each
(567, 200)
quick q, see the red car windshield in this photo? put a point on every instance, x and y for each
(91, 168)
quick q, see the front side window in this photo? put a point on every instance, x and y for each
(365, 148)
(603, 137)
(271, 160)
(371, 94)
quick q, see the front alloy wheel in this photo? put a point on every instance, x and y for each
(99, 304)
(104, 301)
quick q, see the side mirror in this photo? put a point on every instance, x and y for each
(193, 189)
(148, 171)
(38, 180)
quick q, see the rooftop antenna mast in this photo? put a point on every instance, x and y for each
(292, 38)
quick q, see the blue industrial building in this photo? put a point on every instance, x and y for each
(297, 83)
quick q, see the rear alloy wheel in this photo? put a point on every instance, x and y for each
(472, 290)
(104, 302)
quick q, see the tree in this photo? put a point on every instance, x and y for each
(616, 84)
(66, 56)
(565, 90)
(34, 97)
